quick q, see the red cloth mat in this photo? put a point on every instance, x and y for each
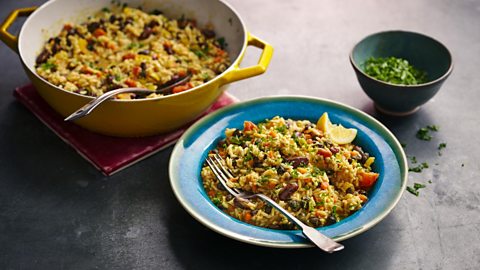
(106, 153)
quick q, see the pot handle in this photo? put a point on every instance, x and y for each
(7, 37)
(238, 73)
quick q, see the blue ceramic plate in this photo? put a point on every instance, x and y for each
(191, 150)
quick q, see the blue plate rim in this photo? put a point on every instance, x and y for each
(392, 142)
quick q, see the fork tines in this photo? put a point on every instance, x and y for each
(220, 171)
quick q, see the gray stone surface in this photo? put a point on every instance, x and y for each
(58, 212)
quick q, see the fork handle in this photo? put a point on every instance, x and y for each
(319, 239)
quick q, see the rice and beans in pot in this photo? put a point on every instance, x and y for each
(131, 48)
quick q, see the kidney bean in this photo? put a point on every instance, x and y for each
(257, 162)
(153, 23)
(237, 133)
(297, 161)
(143, 73)
(112, 18)
(331, 220)
(287, 226)
(156, 12)
(334, 150)
(268, 209)
(239, 203)
(168, 49)
(287, 191)
(208, 33)
(314, 221)
(147, 31)
(280, 170)
(93, 26)
(364, 155)
(43, 57)
(220, 186)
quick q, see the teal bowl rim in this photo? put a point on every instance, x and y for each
(441, 78)
(387, 136)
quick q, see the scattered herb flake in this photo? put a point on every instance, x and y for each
(433, 127)
(404, 145)
(418, 168)
(415, 188)
(412, 190)
(424, 134)
(441, 146)
(418, 186)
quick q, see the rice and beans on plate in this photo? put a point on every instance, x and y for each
(312, 170)
(131, 48)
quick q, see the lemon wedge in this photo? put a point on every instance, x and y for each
(323, 123)
(337, 133)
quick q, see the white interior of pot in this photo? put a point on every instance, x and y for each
(48, 20)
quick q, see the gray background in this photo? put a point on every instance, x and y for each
(58, 212)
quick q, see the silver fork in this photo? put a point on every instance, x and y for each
(223, 174)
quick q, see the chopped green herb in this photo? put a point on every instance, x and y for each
(413, 159)
(394, 70)
(294, 173)
(415, 188)
(263, 180)
(418, 186)
(198, 53)
(105, 9)
(418, 168)
(334, 211)
(440, 147)
(222, 43)
(317, 171)
(133, 45)
(424, 134)
(429, 181)
(216, 201)
(281, 129)
(412, 190)
(235, 140)
(403, 145)
(433, 127)
(48, 65)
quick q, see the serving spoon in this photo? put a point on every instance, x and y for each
(90, 106)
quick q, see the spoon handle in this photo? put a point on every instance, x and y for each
(90, 106)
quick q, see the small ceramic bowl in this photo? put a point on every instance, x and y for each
(423, 52)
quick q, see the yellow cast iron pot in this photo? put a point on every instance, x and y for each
(143, 117)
